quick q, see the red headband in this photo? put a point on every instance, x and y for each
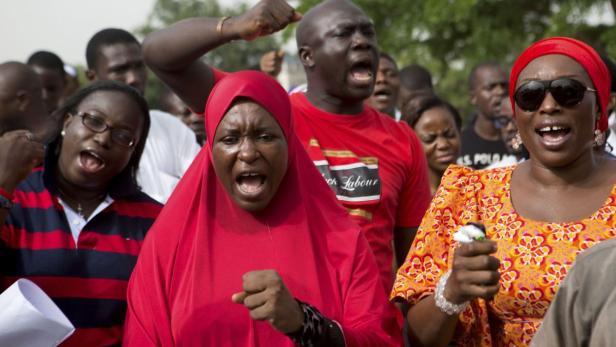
(576, 50)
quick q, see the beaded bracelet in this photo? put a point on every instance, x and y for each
(442, 303)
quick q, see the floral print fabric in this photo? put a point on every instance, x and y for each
(535, 256)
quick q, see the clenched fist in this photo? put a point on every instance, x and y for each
(268, 299)
(474, 272)
(265, 18)
(20, 152)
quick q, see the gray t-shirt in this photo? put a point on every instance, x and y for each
(583, 312)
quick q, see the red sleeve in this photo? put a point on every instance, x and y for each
(148, 320)
(415, 197)
(369, 320)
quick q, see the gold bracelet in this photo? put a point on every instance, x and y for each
(220, 23)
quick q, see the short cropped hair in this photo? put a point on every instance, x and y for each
(415, 77)
(47, 60)
(472, 77)
(106, 37)
(390, 58)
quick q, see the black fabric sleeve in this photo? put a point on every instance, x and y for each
(317, 330)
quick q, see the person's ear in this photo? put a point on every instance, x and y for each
(91, 75)
(22, 97)
(306, 56)
(66, 121)
(472, 96)
(611, 104)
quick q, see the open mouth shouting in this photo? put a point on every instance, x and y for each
(553, 136)
(251, 184)
(382, 94)
(362, 73)
(91, 162)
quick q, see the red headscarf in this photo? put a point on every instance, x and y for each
(576, 50)
(202, 243)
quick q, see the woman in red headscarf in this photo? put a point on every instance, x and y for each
(253, 201)
(537, 215)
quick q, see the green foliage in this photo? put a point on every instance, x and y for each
(235, 56)
(450, 36)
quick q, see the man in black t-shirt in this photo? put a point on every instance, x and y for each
(481, 140)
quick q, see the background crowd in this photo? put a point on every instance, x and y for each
(289, 216)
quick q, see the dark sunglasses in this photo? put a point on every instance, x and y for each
(566, 91)
(122, 137)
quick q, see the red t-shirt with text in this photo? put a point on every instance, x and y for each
(376, 167)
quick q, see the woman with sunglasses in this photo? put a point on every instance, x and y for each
(537, 215)
(77, 223)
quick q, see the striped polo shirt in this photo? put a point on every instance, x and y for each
(87, 279)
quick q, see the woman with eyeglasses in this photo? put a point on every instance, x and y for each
(537, 215)
(77, 223)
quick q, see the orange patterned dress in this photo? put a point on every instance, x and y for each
(535, 256)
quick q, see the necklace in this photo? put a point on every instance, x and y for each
(71, 201)
(80, 211)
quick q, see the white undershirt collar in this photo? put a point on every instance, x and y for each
(76, 221)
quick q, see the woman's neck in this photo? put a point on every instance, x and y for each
(580, 170)
(435, 180)
(83, 200)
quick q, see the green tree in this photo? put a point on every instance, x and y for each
(235, 56)
(450, 36)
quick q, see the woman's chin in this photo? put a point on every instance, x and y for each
(252, 205)
(440, 168)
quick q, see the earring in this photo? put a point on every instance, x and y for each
(599, 138)
(516, 142)
(62, 133)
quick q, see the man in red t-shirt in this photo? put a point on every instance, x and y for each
(375, 165)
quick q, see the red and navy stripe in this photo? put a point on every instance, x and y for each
(86, 280)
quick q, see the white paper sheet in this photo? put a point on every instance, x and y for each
(28, 317)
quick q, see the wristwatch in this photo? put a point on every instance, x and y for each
(5, 203)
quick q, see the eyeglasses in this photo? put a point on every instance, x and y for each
(122, 137)
(566, 91)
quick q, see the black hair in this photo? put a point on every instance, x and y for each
(472, 77)
(611, 67)
(430, 102)
(47, 60)
(125, 183)
(106, 37)
(390, 58)
(415, 77)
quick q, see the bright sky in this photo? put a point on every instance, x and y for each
(65, 26)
